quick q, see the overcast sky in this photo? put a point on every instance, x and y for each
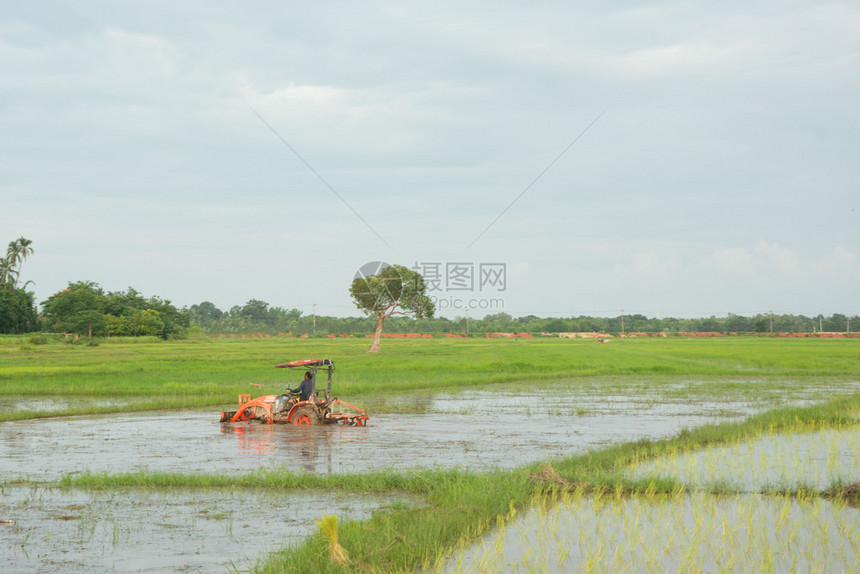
(224, 151)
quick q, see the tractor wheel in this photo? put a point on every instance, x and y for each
(305, 416)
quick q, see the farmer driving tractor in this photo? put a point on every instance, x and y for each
(305, 388)
(308, 408)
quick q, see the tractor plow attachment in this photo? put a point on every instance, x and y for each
(354, 416)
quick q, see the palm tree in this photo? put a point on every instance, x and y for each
(8, 275)
(16, 254)
(19, 250)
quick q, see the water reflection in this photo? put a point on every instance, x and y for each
(308, 447)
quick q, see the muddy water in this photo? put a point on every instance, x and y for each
(695, 533)
(561, 403)
(135, 530)
(476, 430)
(194, 442)
(52, 404)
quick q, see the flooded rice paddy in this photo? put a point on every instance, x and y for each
(475, 430)
(47, 449)
(783, 462)
(68, 530)
(136, 530)
(683, 533)
(699, 532)
(14, 403)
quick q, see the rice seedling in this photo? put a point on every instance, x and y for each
(684, 533)
(772, 462)
(328, 528)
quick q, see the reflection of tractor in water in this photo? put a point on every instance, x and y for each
(288, 408)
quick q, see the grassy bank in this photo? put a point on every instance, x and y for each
(460, 506)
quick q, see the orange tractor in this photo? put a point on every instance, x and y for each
(287, 408)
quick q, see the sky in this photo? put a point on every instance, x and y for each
(674, 159)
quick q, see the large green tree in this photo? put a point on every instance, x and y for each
(84, 308)
(255, 311)
(80, 309)
(205, 314)
(137, 315)
(17, 311)
(394, 290)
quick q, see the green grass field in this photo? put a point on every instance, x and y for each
(205, 371)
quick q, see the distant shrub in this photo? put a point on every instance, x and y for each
(38, 340)
(131, 340)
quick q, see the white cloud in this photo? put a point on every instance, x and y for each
(649, 263)
(646, 265)
(839, 263)
(683, 58)
(772, 254)
(763, 259)
(736, 261)
(307, 102)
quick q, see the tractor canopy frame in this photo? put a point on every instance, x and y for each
(313, 365)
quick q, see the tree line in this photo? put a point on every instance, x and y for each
(85, 309)
(256, 317)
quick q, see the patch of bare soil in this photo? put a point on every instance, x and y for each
(548, 474)
(850, 494)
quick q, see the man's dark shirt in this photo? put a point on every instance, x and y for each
(304, 388)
